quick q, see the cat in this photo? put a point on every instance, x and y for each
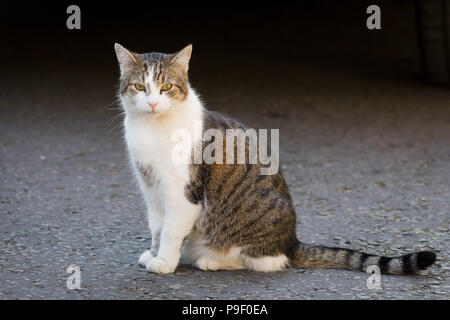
(214, 216)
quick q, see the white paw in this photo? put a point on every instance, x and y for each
(205, 264)
(158, 265)
(145, 258)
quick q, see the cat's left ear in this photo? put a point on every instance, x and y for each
(182, 57)
(127, 59)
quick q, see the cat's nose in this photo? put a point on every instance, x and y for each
(153, 105)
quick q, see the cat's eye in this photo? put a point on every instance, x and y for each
(139, 87)
(166, 87)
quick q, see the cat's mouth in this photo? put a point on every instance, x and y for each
(148, 111)
(153, 114)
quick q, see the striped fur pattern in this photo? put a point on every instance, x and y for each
(245, 209)
(215, 216)
(242, 208)
(340, 258)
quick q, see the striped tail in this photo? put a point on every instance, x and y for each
(339, 258)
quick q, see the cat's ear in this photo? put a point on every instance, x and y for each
(127, 59)
(182, 57)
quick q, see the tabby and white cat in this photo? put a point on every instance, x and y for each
(217, 216)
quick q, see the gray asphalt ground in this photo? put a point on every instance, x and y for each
(365, 148)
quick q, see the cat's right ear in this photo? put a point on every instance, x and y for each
(127, 59)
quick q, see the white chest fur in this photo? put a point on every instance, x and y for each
(150, 141)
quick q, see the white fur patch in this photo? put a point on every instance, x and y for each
(145, 258)
(195, 252)
(395, 266)
(154, 96)
(149, 141)
(266, 264)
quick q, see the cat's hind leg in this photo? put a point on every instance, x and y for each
(214, 263)
(266, 263)
(195, 252)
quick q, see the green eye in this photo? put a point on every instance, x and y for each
(139, 87)
(166, 87)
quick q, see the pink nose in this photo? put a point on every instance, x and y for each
(153, 105)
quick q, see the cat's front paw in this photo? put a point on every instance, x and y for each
(158, 265)
(145, 258)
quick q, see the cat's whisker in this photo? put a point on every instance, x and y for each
(114, 129)
(114, 118)
(113, 108)
(111, 105)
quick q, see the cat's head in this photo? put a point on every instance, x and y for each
(153, 83)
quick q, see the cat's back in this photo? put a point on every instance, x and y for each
(240, 204)
(220, 121)
(223, 180)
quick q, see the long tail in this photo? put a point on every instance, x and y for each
(339, 258)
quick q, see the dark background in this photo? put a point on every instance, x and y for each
(248, 46)
(230, 39)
